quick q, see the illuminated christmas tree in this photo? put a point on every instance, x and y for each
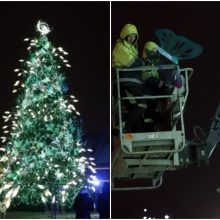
(42, 158)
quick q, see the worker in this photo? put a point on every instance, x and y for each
(156, 82)
(125, 55)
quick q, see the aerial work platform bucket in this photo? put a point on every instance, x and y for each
(147, 155)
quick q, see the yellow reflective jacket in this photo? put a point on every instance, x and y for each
(149, 46)
(124, 53)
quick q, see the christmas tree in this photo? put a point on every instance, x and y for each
(42, 157)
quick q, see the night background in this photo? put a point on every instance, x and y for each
(83, 30)
(190, 192)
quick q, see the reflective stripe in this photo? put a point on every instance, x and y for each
(142, 105)
(148, 120)
(132, 101)
(130, 80)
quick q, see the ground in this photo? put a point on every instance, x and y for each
(43, 215)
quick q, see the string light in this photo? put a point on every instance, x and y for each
(43, 199)
(7, 203)
(40, 186)
(7, 185)
(53, 200)
(15, 192)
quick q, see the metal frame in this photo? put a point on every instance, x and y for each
(127, 147)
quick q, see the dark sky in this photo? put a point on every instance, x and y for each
(83, 30)
(190, 192)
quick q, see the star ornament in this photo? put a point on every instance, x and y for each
(43, 28)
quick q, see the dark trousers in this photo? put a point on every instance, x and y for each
(151, 88)
(135, 112)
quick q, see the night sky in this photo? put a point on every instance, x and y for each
(190, 192)
(83, 30)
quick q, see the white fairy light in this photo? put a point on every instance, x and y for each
(59, 175)
(7, 203)
(53, 200)
(2, 149)
(93, 188)
(3, 159)
(43, 199)
(16, 70)
(66, 187)
(14, 91)
(63, 105)
(47, 193)
(15, 192)
(29, 63)
(45, 118)
(17, 83)
(90, 150)
(68, 65)
(60, 49)
(72, 107)
(82, 150)
(92, 169)
(63, 199)
(40, 186)
(63, 191)
(94, 181)
(72, 183)
(26, 39)
(8, 185)
(81, 159)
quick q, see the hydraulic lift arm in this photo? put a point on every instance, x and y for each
(200, 150)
